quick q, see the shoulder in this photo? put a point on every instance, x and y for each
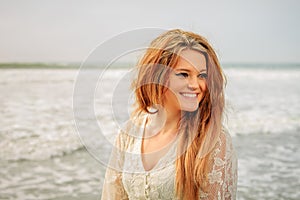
(225, 135)
(130, 131)
(222, 173)
(224, 147)
(222, 159)
(225, 138)
(228, 142)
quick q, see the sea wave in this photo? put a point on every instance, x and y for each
(19, 143)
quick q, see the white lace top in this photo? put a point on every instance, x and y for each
(126, 177)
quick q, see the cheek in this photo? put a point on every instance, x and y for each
(175, 84)
(169, 98)
(203, 88)
(169, 95)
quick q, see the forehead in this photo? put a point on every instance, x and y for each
(191, 60)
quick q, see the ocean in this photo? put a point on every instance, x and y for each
(42, 155)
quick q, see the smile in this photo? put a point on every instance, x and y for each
(189, 95)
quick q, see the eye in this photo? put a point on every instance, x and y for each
(182, 74)
(203, 75)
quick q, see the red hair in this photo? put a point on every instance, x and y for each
(199, 129)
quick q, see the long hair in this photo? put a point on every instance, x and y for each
(199, 130)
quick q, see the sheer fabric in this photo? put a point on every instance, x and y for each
(126, 177)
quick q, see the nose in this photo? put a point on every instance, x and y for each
(193, 83)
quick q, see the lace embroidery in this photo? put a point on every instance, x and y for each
(158, 183)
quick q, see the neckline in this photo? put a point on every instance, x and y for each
(170, 147)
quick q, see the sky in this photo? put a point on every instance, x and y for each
(255, 31)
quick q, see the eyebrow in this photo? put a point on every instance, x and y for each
(187, 70)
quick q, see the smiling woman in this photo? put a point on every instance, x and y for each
(174, 146)
(187, 83)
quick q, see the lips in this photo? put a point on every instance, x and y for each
(189, 95)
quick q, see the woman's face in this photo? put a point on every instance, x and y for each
(187, 82)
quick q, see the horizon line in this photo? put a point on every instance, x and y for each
(127, 64)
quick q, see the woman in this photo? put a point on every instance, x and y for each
(174, 146)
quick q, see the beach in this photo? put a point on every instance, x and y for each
(44, 156)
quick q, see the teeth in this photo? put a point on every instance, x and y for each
(189, 95)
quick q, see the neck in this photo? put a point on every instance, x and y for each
(165, 122)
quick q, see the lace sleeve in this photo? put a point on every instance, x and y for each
(222, 176)
(113, 187)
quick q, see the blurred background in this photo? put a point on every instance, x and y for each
(44, 43)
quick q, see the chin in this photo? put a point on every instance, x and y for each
(190, 108)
